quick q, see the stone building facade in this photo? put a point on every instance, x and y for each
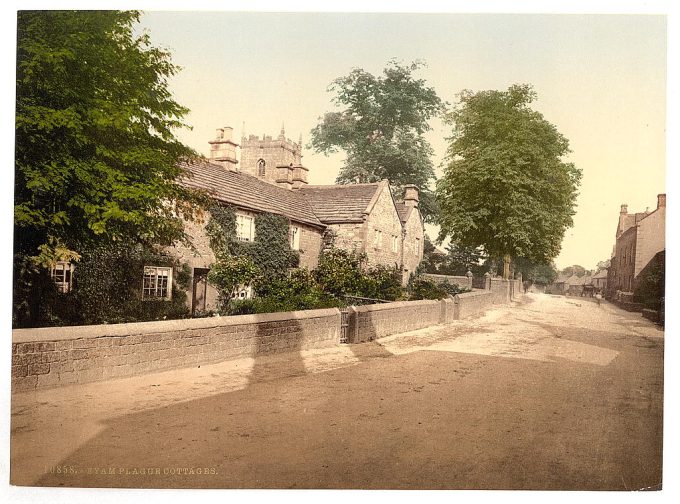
(639, 238)
(270, 178)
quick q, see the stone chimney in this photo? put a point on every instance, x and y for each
(660, 201)
(223, 148)
(284, 176)
(624, 209)
(411, 195)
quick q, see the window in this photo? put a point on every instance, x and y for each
(62, 274)
(295, 237)
(245, 228)
(417, 246)
(157, 282)
(377, 242)
(261, 167)
(395, 243)
(242, 292)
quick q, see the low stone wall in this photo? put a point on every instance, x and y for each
(369, 322)
(500, 290)
(56, 356)
(472, 303)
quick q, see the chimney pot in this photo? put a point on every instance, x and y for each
(624, 209)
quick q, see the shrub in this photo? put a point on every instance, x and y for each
(422, 288)
(340, 273)
(383, 282)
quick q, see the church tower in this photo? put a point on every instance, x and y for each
(276, 160)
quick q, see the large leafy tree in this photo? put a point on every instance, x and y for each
(96, 156)
(506, 187)
(381, 129)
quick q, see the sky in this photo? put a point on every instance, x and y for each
(600, 79)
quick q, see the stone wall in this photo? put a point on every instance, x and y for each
(274, 151)
(375, 321)
(472, 303)
(384, 219)
(311, 240)
(55, 356)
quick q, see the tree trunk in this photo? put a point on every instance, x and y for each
(506, 266)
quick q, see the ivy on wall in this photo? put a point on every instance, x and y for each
(107, 288)
(256, 263)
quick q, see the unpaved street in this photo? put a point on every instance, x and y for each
(554, 393)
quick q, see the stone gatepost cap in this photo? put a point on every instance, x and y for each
(487, 274)
(469, 273)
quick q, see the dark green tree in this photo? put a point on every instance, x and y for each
(96, 157)
(461, 259)
(381, 129)
(506, 187)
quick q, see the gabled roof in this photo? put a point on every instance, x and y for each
(574, 280)
(341, 203)
(561, 278)
(601, 274)
(245, 191)
(403, 210)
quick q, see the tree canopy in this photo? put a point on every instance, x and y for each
(96, 155)
(505, 186)
(381, 129)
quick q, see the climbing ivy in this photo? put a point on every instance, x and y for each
(256, 263)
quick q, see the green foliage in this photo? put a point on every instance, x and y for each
(228, 273)
(106, 288)
(297, 291)
(505, 187)
(340, 273)
(259, 263)
(422, 288)
(96, 154)
(383, 282)
(96, 158)
(381, 129)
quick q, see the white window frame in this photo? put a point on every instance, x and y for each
(242, 292)
(417, 247)
(62, 275)
(295, 232)
(245, 227)
(157, 283)
(395, 243)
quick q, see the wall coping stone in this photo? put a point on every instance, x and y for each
(160, 326)
(474, 293)
(396, 305)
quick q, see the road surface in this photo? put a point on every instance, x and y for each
(552, 393)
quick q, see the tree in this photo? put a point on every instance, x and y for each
(505, 187)
(96, 156)
(96, 159)
(538, 273)
(461, 259)
(381, 129)
(574, 270)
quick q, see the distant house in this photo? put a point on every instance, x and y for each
(359, 217)
(600, 280)
(639, 238)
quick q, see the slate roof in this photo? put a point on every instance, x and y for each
(561, 278)
(246, 191)
(574, 280)
(340, 203)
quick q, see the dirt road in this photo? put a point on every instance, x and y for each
(555, 393)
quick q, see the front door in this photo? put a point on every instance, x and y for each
(199, 291)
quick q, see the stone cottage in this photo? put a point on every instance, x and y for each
(271, 178)
(639, 238)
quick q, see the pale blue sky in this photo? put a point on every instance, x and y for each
(600, 79)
